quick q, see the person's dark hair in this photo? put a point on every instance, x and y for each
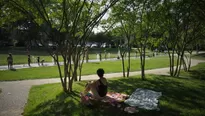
(100, 72)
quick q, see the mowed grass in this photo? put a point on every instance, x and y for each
(200, 56)
(88, 68)
(23, 58)
(20, 54)
(197, 72)
(180, 97)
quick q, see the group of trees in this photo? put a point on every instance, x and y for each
(65, 23)
(177, 25)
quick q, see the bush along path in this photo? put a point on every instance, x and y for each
(14, 94)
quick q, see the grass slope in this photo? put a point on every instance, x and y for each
(180, 97)
(88, 68)
(197, 72)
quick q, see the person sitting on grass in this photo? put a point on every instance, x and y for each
(97, 89)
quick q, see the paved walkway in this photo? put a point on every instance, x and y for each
(20, 66)
(15, 93)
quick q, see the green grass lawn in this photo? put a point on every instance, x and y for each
(180, 97)
(23, 58)
(20, 54)
(200, 56)
(197, 72)
(88, 68)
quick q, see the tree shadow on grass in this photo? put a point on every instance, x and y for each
(176, 95)
(69, 105)
(198, 74)
(174, 92)
(63, 104)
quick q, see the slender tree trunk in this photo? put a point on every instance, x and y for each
(178, 64)
(184, 62)
(70, 79)
(59, 71)
(189, 63)
(143, 66)
(65, 76)
(170, 62)
(128, 67)
(81, 65)
(181, 58)
(142, 62)
(123, 65)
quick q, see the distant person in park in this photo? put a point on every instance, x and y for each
(42, 61)
(54, 57)
(38, 60)
(100, 55)
(86, 54)
(29, 60)
(97, 88)
(10, 61)
(105, 54)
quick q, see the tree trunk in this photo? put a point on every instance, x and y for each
(171, 56)
(177, 65)
(189, 61)
(170, 62)
(81, 65)
(184, 62)
(123, 65)
(59, 71)
(128, 67)
(142, 60)
(181, 58)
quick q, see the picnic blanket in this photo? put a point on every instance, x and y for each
(115, 97)
(112, 97)
(144, 98)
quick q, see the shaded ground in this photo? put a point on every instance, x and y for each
(180, 97)
(15, 93)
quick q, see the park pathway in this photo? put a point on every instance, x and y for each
(15, 93)
(21, 66)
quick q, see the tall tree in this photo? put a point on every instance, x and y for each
(179, 28)
(67, 24)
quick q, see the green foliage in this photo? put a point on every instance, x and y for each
(42, 101)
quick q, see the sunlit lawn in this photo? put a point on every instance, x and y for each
(180, 97)
(20, 54)
(23, 59)
(88, 68)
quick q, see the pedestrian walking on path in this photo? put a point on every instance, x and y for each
(10, 61)
(38, 60)
(29, 60)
